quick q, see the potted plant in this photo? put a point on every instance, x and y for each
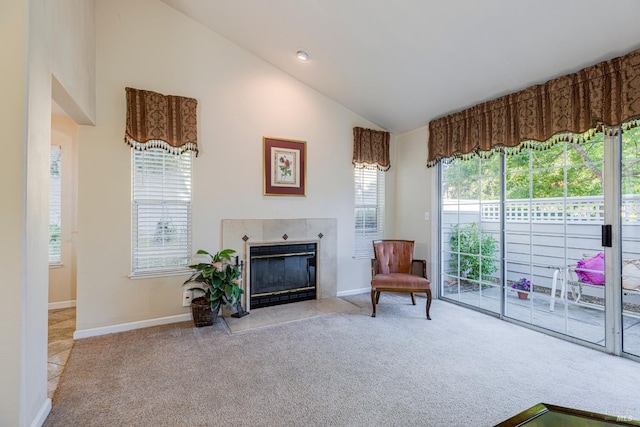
(522, 284)
(220, 281)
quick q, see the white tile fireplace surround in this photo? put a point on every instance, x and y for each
(241, 234)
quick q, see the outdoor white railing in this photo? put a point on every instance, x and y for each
(588, 209)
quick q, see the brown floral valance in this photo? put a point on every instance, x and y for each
(371, 149)
(161, 121)
(607, 93)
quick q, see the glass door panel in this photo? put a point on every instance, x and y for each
(470, 232)
(630, 241)
(533, 234)
(553, 213)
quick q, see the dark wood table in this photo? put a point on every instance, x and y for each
(545, 415)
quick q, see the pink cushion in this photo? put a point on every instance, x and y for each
(591, 277)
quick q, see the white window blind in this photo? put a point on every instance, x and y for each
(369, 210)
(55, 210)
(161, 211)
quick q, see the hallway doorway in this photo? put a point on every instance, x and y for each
(62, 243)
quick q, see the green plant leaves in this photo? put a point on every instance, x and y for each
(226, 254)
(218, 277)
(473, 251)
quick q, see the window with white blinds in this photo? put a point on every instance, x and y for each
(161, 211)
(55, 210)
(369, 210)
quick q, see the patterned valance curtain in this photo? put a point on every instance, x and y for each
(161, 121)
(607, 93)
(371, 149)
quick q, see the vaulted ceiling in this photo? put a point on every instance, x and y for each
(401, 63)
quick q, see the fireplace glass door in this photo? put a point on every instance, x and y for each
(282, 274)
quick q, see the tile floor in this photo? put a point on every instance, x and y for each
(62, 324)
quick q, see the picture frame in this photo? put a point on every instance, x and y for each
(284, 167)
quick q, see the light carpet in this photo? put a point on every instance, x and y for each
(278, 314)
(463, 368)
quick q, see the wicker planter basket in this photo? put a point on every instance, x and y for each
(202, 314)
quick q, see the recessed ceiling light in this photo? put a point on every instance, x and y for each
(303, 55)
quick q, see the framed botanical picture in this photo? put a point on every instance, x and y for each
(284, 164)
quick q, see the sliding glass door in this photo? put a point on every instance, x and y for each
(543, 208)
(630, 241)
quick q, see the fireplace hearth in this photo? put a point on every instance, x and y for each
(282, 273)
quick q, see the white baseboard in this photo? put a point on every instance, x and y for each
(62, 304)
(353, 292)
(122, 327)
(42, 414)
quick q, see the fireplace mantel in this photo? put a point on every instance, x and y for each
(241, 234)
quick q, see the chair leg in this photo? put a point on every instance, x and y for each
(554, 284)
(413, 299)
(377, 297)
(428, 303)
(373, 301)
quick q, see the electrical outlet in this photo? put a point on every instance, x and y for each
(186, 298)
(426, 216)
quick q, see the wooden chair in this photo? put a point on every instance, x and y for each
(394, 270)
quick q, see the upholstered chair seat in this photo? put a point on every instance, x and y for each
(394, 270)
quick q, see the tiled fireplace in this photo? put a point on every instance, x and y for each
(310, 276)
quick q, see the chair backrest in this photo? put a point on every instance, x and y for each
(394, 256)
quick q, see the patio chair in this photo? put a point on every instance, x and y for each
(589, 272)
(394, 270)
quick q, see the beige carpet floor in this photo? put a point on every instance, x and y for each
(279, 314)
(462, 368)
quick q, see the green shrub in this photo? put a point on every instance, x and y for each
(467, 243)
(54, 233)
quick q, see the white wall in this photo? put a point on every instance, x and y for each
(25, 110)
(36, 231)
(62, 279)
(416, 190)
(13, 24)
(73, 65)
(148, 45)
